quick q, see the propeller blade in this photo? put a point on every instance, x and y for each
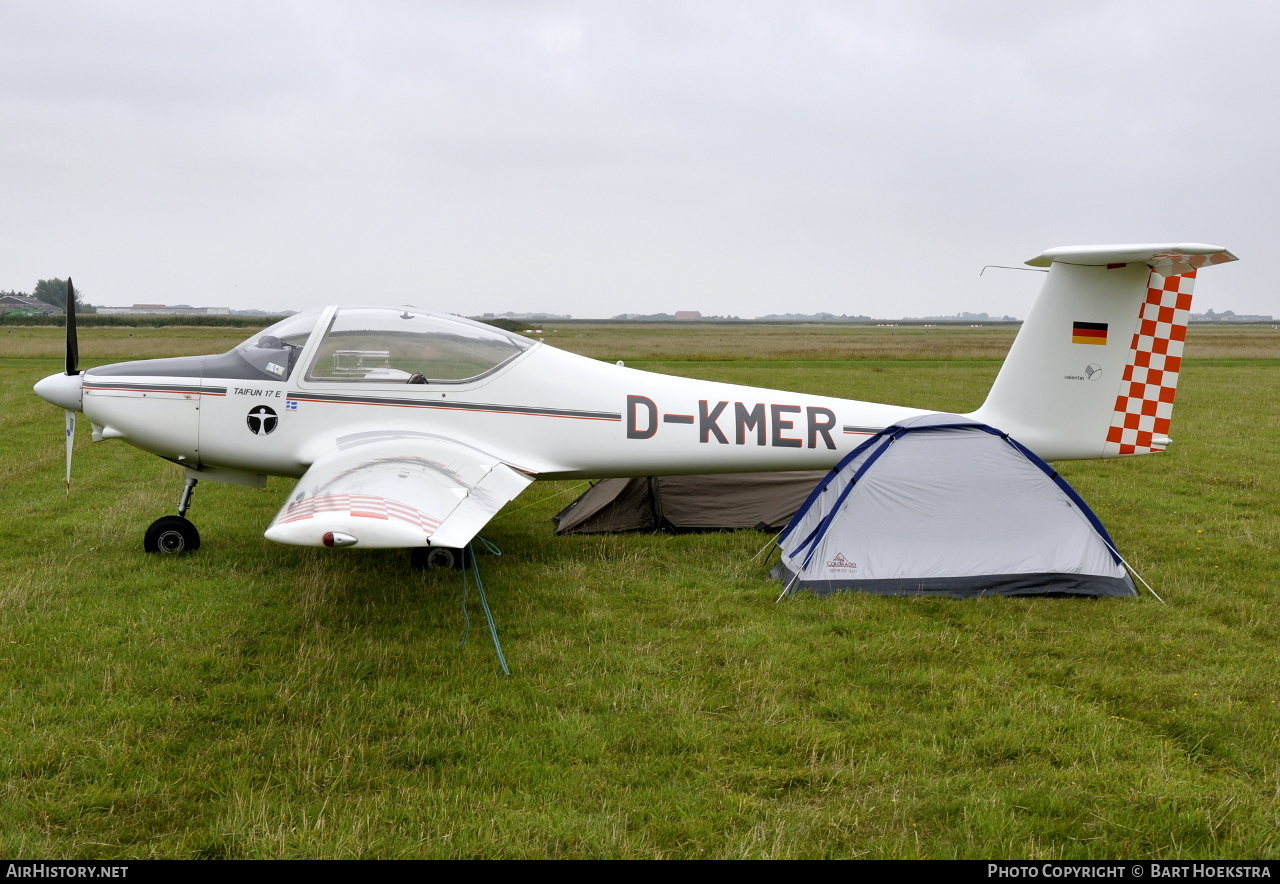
(71, 441)
(73, 345)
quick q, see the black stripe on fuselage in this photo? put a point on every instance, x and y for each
(457, 406)
(157, 388)
(863, 431)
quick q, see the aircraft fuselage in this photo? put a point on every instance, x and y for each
(550, 413)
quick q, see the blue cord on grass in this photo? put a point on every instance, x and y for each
(484, 603)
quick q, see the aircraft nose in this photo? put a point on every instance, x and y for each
(62, 390)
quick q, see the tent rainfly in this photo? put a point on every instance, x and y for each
(943, 505)
(764, 501)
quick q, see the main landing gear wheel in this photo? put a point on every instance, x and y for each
(436, 558)
(172, 535)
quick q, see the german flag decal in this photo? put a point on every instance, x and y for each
(1088, 332)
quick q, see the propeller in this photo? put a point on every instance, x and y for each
(73, 368)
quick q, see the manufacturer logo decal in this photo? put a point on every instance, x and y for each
(840, 563)
(1092, 372)
(261, 420)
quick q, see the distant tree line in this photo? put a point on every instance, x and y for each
(145, 321)
(54, 293)
(511, 325)
(662, 317)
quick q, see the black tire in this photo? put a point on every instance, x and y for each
(171, 535)
(436, 558)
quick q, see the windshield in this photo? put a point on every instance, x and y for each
(274, 351)
(270, 355)
(398, 345)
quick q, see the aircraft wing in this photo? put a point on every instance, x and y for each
(387, 489)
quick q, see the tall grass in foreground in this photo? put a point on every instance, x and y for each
(254, 700)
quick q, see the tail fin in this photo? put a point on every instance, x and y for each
(1093, 370)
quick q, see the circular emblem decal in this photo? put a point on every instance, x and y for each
(262, 420)
(1092, 371)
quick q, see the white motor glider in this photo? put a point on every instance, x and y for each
(407, 428)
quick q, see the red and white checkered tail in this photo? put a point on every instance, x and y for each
(1094, 368)
(1144, 406)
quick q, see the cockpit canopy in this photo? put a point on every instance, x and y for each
(401, 345)
(370, 345)
(382, 345)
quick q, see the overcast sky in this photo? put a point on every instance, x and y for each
(591, 158)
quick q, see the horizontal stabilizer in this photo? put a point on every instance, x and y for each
(1167, 259)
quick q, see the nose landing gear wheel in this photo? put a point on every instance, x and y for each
(171, 535)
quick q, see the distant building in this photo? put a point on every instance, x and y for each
(810, 317)
(163, 310)
(688, 314)
(11, 303)
(1229, 316)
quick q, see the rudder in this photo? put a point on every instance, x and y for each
(1144, 404)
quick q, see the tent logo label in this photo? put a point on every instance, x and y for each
(840, 563)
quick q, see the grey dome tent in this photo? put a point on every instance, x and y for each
(943, 505)
(764, 501)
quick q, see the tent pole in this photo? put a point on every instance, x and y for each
(767, 545)
(787, 590)
(1134, 572)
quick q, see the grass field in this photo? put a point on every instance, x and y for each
(254, 700)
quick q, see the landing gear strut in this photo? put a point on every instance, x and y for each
(174, 534)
